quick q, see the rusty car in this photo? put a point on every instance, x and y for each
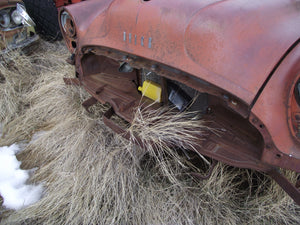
(243, 57)
(16, 27)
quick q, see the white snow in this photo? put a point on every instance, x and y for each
(13, 188)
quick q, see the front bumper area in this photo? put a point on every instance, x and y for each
(17, 38)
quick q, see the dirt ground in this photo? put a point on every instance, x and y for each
(92, 176)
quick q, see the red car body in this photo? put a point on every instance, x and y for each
(60, 3)
(245, 55)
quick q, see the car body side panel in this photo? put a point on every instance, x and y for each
(232, 44)
(272, 109)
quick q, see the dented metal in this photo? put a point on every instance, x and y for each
(243, 59)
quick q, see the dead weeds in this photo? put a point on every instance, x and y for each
(92, 176)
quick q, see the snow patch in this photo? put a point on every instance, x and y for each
(13, 188)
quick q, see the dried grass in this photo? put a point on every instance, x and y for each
(92, 176)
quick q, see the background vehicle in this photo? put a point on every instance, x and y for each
(16, 27)
(44, 14)
(244, 65)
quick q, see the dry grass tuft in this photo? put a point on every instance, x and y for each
(163, 130)
(92, 176)
(20, 73)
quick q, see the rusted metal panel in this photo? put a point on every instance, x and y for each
(103, 81)
(273, 109)
(226, 42)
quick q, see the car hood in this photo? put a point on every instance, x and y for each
(233, 44)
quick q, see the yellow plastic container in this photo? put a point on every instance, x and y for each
(151, 90)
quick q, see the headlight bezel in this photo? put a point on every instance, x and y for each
(67, 24)
(68, 29)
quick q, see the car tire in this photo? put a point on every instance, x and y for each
(44, 13)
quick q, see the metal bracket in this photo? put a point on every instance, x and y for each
(286, 185)
(72, 81)
(88, 103)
